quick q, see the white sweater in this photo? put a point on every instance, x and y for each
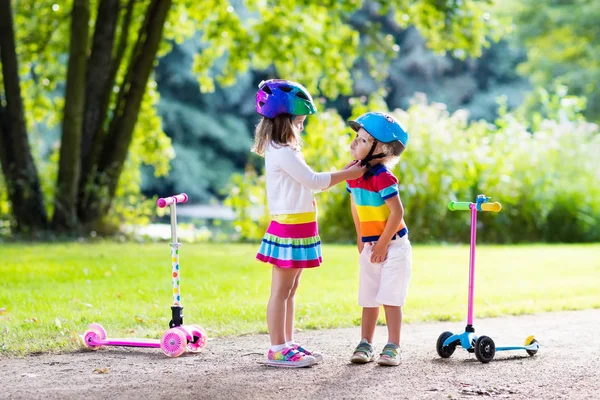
(290, 181)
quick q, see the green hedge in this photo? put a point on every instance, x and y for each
(546, 177)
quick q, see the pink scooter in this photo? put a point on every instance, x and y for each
(179, 337)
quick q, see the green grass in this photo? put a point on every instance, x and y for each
(49, 293)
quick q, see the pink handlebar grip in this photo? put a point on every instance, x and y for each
(178, 198)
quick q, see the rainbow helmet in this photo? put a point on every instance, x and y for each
(280, 96)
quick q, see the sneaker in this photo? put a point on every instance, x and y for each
(363, 353)
(301, 349)
(289, 357)
(390, 355)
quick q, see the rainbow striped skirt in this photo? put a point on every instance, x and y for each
(292, 241)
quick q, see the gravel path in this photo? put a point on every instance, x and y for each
(566, 367)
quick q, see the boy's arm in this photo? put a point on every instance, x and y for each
(394, 219)
(391, 228)
(359, 241)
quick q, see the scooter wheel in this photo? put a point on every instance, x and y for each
(173, 342)
(200, 339)
(485, 349)
(530, 340)
(445, 351)
(98, 328)
(94, 333)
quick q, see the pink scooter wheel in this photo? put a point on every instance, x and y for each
(99, 329)
(94, 333)
(200, 343)
(173, 342)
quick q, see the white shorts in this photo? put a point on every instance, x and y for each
(385, 283)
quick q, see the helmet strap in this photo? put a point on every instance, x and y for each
(366, 161)
(371, 156)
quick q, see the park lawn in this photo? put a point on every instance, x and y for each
(49, 293)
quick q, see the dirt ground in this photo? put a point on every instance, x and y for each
(566, 367)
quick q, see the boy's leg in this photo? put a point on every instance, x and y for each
(390, 354)
(393, 319)
(369, 322)
(368, 286)
(395, 278)
(364, 352)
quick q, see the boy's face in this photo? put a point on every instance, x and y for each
(361, 145)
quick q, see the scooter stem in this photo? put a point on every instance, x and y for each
(176, 309)
(473, 208)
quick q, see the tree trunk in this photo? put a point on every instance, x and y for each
(20, 172)
(95, 132)
(120, 133)
(65, 206)
(98, 72)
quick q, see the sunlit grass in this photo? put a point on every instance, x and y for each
(49, 293)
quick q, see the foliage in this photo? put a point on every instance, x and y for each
(236, 35)
(563, 47)
(260, 34)
(545, 178)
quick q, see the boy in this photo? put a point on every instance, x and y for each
(382, 235)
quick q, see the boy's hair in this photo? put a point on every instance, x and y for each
(392, 152)
(278, 130)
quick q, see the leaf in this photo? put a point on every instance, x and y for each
(101, 370)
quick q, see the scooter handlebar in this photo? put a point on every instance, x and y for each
(459, 205)
(465, 205)
(495, 207)
(166, 201)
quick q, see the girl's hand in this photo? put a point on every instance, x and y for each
(351, 163)
(360, 244)
(379, 253)
(355, 170)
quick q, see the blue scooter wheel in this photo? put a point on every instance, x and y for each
(485, 349)
(531, 352)
(445, 351)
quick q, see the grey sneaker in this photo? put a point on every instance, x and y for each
(363, 353)
(390, 355)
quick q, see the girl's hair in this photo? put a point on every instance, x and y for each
(279, 131)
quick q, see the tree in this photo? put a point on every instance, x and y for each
(563, 46)
(106, 80)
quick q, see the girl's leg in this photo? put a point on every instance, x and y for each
(369, 322)
(289, 309)
(393, 318)
(282, 282)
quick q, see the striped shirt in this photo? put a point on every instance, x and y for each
(369, 197)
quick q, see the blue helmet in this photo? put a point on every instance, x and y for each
(383, 127)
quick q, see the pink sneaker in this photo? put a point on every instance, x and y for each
(290, 358)
(317, 356)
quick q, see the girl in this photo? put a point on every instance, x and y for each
(292, 241)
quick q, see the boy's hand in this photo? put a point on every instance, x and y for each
(379, 253)
(360, 244)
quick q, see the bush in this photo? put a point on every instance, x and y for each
(546, 178)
